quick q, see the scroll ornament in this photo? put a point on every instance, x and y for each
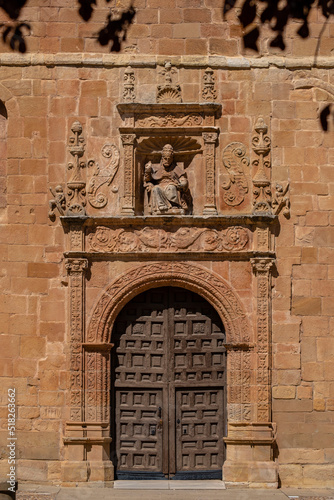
(185, 239)
(104, 174)
(235, 161)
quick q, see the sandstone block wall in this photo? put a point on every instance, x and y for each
(44, 98)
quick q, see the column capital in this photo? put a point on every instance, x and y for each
(76, 265)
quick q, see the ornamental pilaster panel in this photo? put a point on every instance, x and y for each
(209, 140)
(262, 271)
(128, 141)
(76, 269)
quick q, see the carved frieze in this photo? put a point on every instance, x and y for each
(185, 239)
(236, 162)
(170, 120)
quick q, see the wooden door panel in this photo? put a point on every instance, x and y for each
(169, 373)
(138, 430)
(199, 429)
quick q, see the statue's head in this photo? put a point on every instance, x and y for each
(167, 155)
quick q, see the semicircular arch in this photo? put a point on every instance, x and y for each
(205, 283)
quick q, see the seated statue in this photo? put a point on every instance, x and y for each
(166, 184)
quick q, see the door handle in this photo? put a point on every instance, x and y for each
(159, 411)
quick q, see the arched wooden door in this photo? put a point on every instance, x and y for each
(168, 387)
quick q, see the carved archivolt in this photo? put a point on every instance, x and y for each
(198, 279)
(185, 239)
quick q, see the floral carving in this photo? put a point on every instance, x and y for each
(235, 161)
(103, 175)
(185, 239)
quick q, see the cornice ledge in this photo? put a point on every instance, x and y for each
(187, 61)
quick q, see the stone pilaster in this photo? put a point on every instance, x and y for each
(76, 269)
(210, 139)
(128, 141)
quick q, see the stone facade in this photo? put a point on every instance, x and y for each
(88, 224)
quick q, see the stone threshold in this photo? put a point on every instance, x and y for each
(212, 484)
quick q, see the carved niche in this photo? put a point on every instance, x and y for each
(160, 142)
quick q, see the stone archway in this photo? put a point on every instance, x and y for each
(205, 283)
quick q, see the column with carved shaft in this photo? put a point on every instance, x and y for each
(210, 139)
(128, 141)
(76, 186)
(262, 270)
(76, 269)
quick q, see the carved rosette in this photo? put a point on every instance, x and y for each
(235, 162)
(262, 269)
(76, 269)
(210, 139)
(209, 92)
(185, 239)
(129, 85)
(128, 141)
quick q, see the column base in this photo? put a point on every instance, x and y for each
(249, 456)
(81, 473)
(250, 475)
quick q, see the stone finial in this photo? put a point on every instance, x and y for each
(169, 92)
(129, 94)
(209, 93)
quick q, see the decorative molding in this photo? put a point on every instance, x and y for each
(235, 160)
(185, 61)
(262, 270)
(103, 175)
(129, 94)
(209, 92)
(168, 92)
(76, 269)
(185, 239)
(76, 186)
